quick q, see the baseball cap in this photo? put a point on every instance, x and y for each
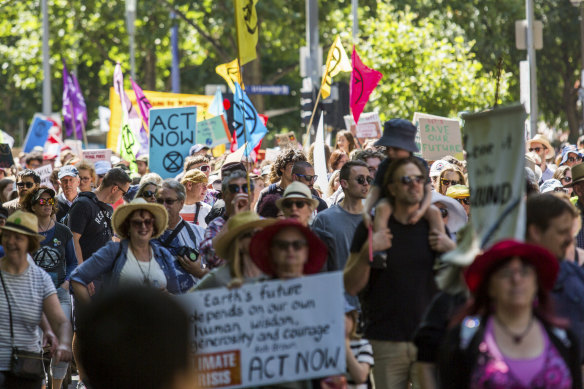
(68, 170)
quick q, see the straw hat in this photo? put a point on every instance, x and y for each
(125, 210)
(577, 175)
(236, 225)
(539, 138)
(297, 190)
(25, 223)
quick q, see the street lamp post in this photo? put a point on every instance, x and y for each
(47, 109)
(130, 19)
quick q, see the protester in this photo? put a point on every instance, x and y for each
(338, 159)
(358, 352)
(333, 184)
(232, 244)
(384, 286)
(298, 203)
(303, 172)
(26, 181)
(345, 141)
(327, 155)
(142, 164)
(551, 185)
(453, 213)
(542, 147)
(69, 181)
(269, 208)
(90, 215)
(570, 156)
(195, 209)
(198, 150)
(148, 190)
(7, 189)
(460, 193)
(135, 338)
(371, 158)
(577, 186)
(87, 176)
(137, 259)
(237, 199)
(449, 176)
(564, 175)
(512, 339)
(101, 169)
(258, 184)
(56, 256)
(33, 160)
(27, 293)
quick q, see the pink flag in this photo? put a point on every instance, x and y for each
(363, 81)
(143, 102)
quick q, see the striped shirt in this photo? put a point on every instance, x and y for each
(27, 292)
(363, 352)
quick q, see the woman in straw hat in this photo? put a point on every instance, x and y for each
(508, 336)
(56, 256)
(232, 244)
(134, 260)
(26, 292)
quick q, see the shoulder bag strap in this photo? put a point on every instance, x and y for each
(9, 308)
(176, 231)
(197, 213)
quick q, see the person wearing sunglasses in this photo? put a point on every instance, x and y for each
(195, 209)
(541, 146)
(460, 193)
(564, 175)
(302, 171)
(148, 190)
(26, 181)
(297, 203)
(56, 256)
(449, 176)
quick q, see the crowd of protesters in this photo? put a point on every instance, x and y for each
(76, 250)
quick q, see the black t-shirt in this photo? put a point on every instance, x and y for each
(396, 298)
(92, 219)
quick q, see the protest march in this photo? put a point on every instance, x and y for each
(202, 246)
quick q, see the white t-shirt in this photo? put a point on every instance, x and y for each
(136, 272)
(188, 213)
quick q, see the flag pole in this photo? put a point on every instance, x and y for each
(312, 116)
(243, 113)
(84, 134)
(74, 118)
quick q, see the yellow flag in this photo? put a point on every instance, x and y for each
(336, 61)
(246, 23)
(230, 72)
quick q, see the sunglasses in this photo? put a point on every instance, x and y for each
(567, 179)
(148, 193)
(537, 149)
(138, 223)
(298, 203)
(362, 180)
(560, 190)
(121, 190)
(23, 184)
(160, 200)
(234, 188)
(449, 182)
(307, 177)
(572, 159)
(408, 180)
(465, 200)
(284, 245)
(46, 201)
(204, 168)
(443, 212)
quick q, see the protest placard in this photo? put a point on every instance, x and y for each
(94, 155)
(75, 145)
(213, 132)
(269, 332)
(439, 137)
(496, 172)
(45, 173)
(38, 133)
(369, 126)
(172, 133)
(6, 159)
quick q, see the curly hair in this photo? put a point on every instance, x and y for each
(364, 155)
(28, 203)
(284, 158)
(195, 160)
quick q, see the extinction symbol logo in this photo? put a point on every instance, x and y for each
(251, 120)
(172, 162)
(127, 139)
(357, 86)
(250, 16)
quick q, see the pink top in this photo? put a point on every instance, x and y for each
(496, 371)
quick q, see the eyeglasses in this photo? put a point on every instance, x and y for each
(148, 193)
(145, 222)
(558, 189)
(121, 190)
(160, 200)
(574, 159)
(362, 180)
(408, 180)
(204, 168)
(464, 200)
(449, 182)
(234, 188)
(84, 178)
(537, 149)
(567, 179)
(443, 212)
(50, 201)
(524, 271)
(284, 245)
(307, 177)
(298, 203)
(23, 184)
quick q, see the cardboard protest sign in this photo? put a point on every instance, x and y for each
(269, 332)
(37, 133)
(172, 133)
(157, 100)
(495, 154)
(76, 146)
(6, 159)
(369, 126)
(439, 137)
(416, 122)
(94, 155)
(213, 132)
(45, 173)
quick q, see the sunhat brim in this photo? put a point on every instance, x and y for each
(125, 210)
(223, 243)
(22, 230)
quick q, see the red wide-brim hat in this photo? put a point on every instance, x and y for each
(545, 264)
(259, 248)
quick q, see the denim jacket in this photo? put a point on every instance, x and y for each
(103, 263)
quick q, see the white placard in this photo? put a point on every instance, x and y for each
(369, 125)
(45, 173)
(94, 155)
(269, 332)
